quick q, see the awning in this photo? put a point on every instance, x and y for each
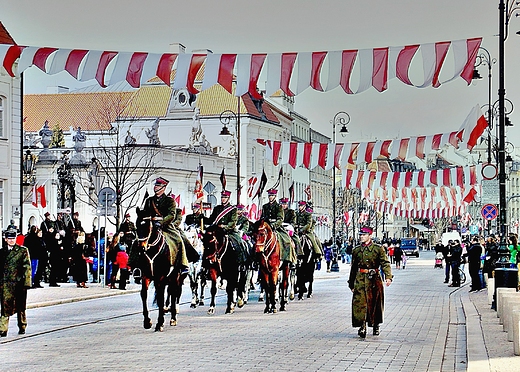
(421, 228)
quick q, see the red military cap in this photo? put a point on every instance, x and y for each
(272, 192)
(366, 230)
(225, 193)
(127, 215)
(161, 181)
(196, 206)
(284, 200)
(47, 214)
(240, 207)
(302, 202)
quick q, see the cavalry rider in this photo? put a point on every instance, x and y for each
(305, 226)
(225, 216)
(196, 218)
(309, 209)
(191, 252)
(273, 214)
(162, 208)
(369, 260)
(289, 217)
(243, 222)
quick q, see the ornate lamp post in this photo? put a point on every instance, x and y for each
(226, 118)
(29, 162)
(341, 118)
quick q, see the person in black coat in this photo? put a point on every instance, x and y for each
(34, 242)
(474, 253)
(455, 250)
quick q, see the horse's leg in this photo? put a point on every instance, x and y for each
(213, 278)
(292, 282)
(174, 292)
(203, 283)
(231, 289)
(249, 276)
(311, 280)
(160, 287)
(272, 289)
(284, 286)
(145, 283)
(193, 286)
(241, 286)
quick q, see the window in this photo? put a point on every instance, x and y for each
(253, 160)
(2, 100)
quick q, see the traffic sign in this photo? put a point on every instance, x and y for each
(490, 191)
(106, 197)
(489, 171)
(489, 212)
(102, 211)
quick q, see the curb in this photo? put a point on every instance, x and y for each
(81, 298)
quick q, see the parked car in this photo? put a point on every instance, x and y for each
(409, 246)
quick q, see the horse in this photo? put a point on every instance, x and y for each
(305, 269)
(267, 249)
(155, 265)
(220, 260)
(196, 272)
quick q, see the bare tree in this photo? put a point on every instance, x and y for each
(117, 162)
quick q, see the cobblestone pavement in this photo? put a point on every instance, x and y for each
(428, 327)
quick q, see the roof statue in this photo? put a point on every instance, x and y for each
(198, 142)
(153, 133)
(46, 134)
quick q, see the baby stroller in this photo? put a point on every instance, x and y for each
(438, 260)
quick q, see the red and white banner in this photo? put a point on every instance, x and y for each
(38, 196)
(374, 66)
(327, 155)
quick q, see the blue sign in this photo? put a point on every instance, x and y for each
(473, 229)
(489, 212)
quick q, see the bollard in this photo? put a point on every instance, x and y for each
(504, 278)
(490, 289)
(508, 303)
(502, 306)
(516, 332)
(510, 321)
(499, 293)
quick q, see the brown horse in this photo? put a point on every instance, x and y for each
(267, 248)
(155, 265)
(220, 260)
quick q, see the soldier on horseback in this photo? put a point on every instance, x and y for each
(225, 215)
(273, 214)
(289, 217)
(196, 218)
(163, 210)
(305, 227)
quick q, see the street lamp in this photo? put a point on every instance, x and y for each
(226, 118)
(341, 118)
(506, 10)
(29, 162)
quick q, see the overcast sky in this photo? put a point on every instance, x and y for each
(239, 26)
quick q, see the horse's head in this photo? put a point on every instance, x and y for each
(262, 234)
(146, 229)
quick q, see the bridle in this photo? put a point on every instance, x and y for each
(217, 255)
(269, 245)
(159, 241)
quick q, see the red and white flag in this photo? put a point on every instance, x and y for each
(41, 195)
(252, 186)
(472, 128)
(199, 192)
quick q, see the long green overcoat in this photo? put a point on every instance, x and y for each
(368, 294)
(273, 214)
(305, 226)
(15, 278)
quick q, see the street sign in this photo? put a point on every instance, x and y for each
(490, 193)
(473, 229)
(110, 211)
(106, 196)
(489, 212)
(209, 187)
(489, 171)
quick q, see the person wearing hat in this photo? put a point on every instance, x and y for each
(289, 217)
(162, 208)
(191, 252)
(196, 218)
(273, 214)
(15, 279)
(129, 231)
(225, 215)
(369, 261)
(305, 226)
(51, 237)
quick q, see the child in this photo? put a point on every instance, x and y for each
(404, 260)
(122, 263)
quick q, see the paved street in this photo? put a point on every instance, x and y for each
(424, 330)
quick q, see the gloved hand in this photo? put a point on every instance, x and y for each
(157, 224)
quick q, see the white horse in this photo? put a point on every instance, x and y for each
(196, 272)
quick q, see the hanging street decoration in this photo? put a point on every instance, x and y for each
(374, 66)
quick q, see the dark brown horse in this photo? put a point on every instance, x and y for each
(305, 269)
(220, 260)
(267, 248)
(155, 265)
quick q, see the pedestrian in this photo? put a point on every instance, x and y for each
(36, 246)
(391, 248)
(456, 257)
(474, 252)
(447, 259)
(122, 263)
(365, 281)
(514, 249)
(79, 266)
(398, 255)
(15, 279)
(404, 258)
(327, 253)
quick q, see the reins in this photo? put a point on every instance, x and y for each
(159, 241)
(270, 243)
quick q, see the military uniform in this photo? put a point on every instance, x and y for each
(273, 214)
(289, 216)
(305, 226)
(15, 279)
(164, 206)
(191, 253)
(195, 219)
(367, 285)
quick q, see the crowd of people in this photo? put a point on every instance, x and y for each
(481, 254)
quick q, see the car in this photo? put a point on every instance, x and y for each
(409, 246)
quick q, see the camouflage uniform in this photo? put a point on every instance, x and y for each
(368, 293)
(273, 214)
